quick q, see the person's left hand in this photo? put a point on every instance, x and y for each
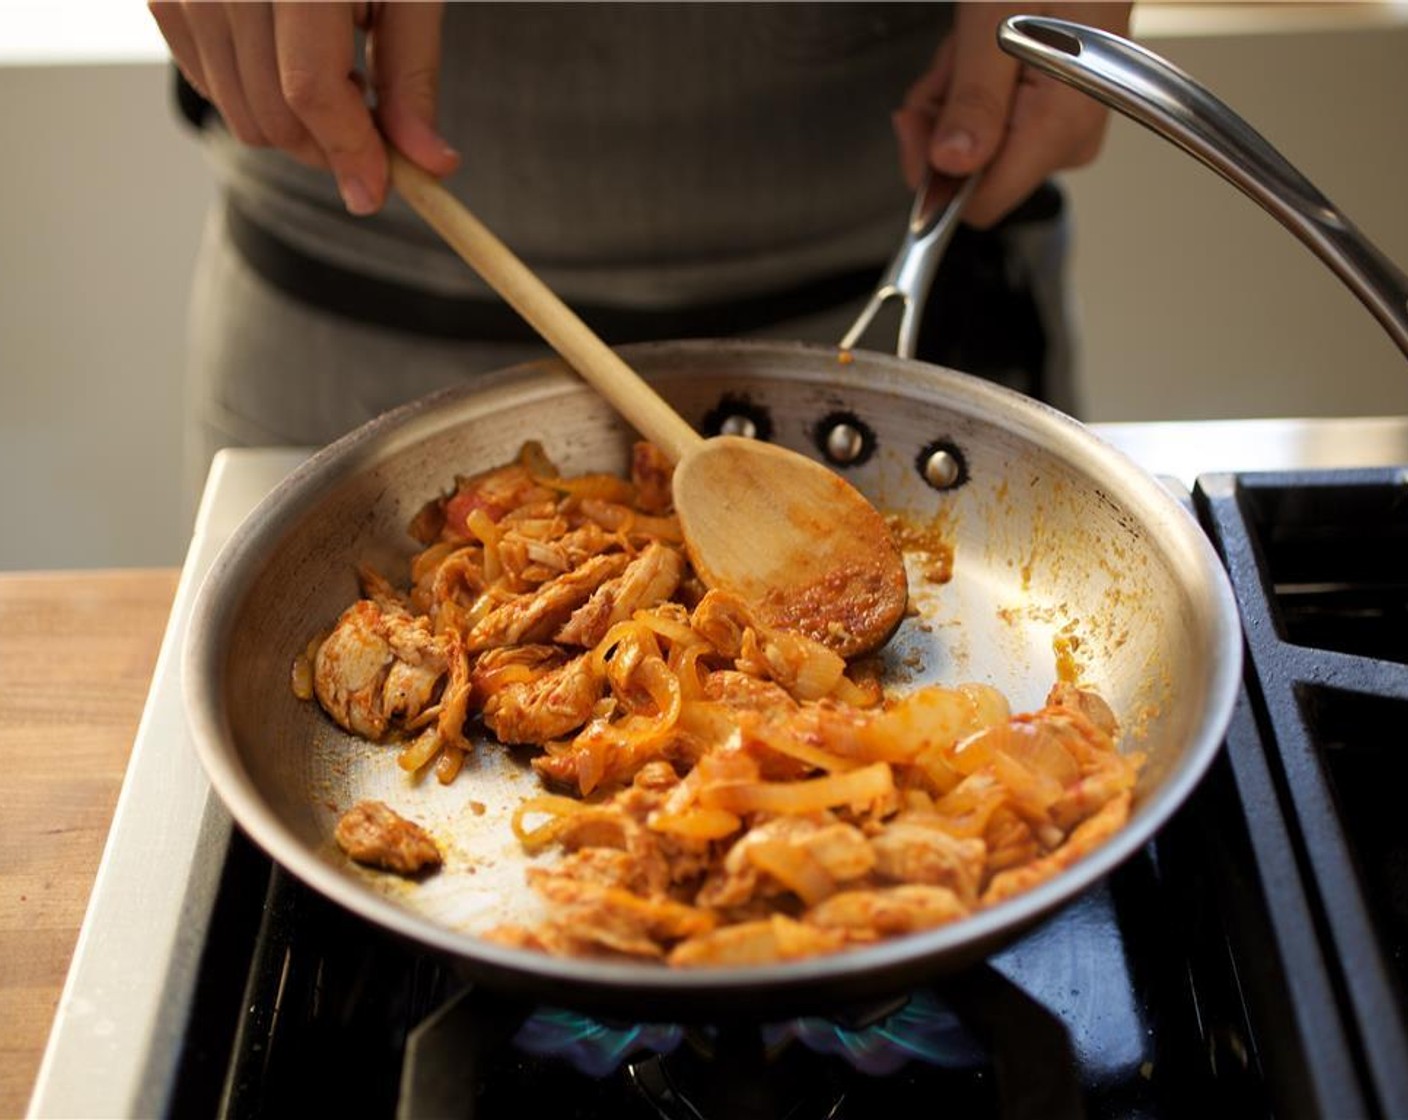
(978, 108)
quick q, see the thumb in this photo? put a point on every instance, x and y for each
(404, 59)
(978, 100)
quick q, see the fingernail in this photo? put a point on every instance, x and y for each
(958, 142)
(356, 197)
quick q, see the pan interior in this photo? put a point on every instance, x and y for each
(1061, 552)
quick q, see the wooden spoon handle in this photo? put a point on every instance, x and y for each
(548, 315)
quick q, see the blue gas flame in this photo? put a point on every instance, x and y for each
(593, 1048)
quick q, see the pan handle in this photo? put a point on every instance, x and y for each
(1154, 92)
(938, 204)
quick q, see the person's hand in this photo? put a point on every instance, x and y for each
(283, 76)
(978, 108)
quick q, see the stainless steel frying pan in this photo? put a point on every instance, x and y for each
(1054, 532)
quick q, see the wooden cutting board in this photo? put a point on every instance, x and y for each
(77, 650)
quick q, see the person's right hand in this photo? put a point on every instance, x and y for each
(283, 76)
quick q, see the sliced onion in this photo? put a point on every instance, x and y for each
(695, 824)
(779, 740)
(965, 809)
(419, 750)
(448, 766)
(794, 868)
(929, 717)
(557, 809)
(819, 670)
(860, 788)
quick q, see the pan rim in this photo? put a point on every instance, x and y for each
(230, 575)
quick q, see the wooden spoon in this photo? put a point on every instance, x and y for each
(798, 543)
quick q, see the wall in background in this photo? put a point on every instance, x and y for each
(1194, 303)
(103, 199)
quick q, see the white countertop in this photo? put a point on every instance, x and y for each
(1186, 449)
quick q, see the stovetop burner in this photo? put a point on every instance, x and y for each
(1092, 1013)
(590, 1046)
(1252, 960)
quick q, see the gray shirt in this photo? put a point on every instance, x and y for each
(644, 155)
(656, 156)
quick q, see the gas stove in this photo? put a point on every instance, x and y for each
(1252, 959)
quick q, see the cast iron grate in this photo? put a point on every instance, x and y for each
(1319, 565)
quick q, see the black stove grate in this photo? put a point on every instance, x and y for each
(1093, 1013)
(1322, 557)
(1126, 1003)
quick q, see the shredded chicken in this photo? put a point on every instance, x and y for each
(378, 663)
(372, 833)
(761, 941)
(882, 912)
(525, 619)
(649, 579)
(719, 791)
(919, 851)
(546, 706)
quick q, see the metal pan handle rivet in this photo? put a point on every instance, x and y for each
(737, 415)
(738, 425)
(942, 466)
(844, 444)
(844, 439)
